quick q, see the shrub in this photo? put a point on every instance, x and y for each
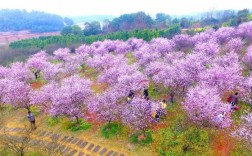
(141, 138)
(111, 129)
(186, 142)
(82, 125)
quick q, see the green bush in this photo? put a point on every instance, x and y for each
(82, 125)
(191, 141)
(111, 129)
(52, 121)
(146, 140)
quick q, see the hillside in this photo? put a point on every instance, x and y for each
(35, 21)
(135, 97)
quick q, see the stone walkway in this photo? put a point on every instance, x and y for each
(66, 144)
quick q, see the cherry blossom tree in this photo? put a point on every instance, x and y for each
(43, 97)
(53, 72)
(225, 73)
(62, 54)
(71, 97)
(224, 34)
(162, 45)
(182, 41)
(137, 114)
(136, 43)
(235, 44)
(244, 30)
(106, 106)
(247, 58)
(20, 71)
(210, 48)
(4, 72)
(203, 105)
(15, 93)
(37, 62)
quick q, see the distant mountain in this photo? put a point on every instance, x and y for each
(91, 18)
(35, 21)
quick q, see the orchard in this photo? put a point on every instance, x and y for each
(197, 72)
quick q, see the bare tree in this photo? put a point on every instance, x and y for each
(18, 144)
(53, 147)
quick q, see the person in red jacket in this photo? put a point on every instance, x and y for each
(234, 101)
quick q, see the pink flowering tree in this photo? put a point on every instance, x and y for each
(225, 73)
(182, 41)
(106, 106)
(203, 105)
(102, 62)
(247, 58)
(136, 43)
(162, 45)
(244, 131)
(203, 36)
(43, 96)
(111, 75)
(244, 30)
(135, 82)
(62, 54)
(20, 71)
(137, 114)
(4, 72)
(71, 97)
(53, 72)
(210, 48)
(224, 34)
(235, 45)
(122, 47)
(146, 54)
(37, 62)
(15, 93)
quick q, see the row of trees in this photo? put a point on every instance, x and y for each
(43, 42)
(35, 21)
(139, 20)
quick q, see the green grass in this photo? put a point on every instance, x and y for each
(184, 139)
(146, 140)
(111, 129)
(52, 121)
(236, 115)
(131, 58)
(81, 126)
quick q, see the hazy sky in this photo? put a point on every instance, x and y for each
(117, 7)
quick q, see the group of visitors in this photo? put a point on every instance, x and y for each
(156, 114)
(233, 100)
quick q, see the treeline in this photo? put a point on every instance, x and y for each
(67, 40)
(140, 20)
(35, 21)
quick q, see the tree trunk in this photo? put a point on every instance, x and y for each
(77, 120)
(22, 152)
(28, 107)
(172, 97)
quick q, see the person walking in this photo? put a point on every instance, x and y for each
(145, 93)
(130, 96)
(31, 118)
(234, 101)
